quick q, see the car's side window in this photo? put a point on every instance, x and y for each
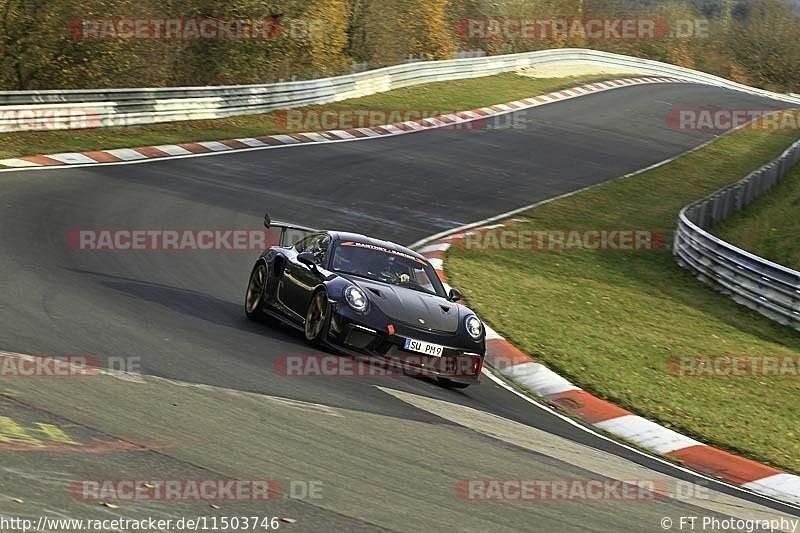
(304, 244)
(319, 247)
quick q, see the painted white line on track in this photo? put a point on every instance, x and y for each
(500, 382)
(773, 493)
(177, 152)
(454, 232)
(577, 455)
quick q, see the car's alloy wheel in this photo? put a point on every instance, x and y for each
(317, 318)
(256, 290)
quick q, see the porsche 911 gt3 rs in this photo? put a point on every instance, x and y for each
(367, 297)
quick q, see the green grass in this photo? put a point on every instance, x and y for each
(445, 97)
(609, 321)
(770, 226)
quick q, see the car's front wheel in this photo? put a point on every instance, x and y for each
(256, 291)
(318, 318)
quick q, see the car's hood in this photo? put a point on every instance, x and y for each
(411, 307)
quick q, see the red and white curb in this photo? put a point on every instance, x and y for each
(149, 153)
(522, 369)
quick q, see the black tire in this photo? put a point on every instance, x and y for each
(318, 318)
(256, 291)
(450, 384)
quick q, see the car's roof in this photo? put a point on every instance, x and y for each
(357, 237)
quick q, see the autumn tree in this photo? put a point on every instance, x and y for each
(766, 44)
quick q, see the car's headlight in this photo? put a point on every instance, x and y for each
(474, 327)
(356, 298)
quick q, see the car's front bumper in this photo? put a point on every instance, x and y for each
(354, 334)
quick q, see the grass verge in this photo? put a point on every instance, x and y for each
(445, 97)
(610, 321)
(770, 226)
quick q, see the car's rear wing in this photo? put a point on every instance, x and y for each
(289, 234)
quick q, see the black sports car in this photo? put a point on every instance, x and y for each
(367, 297)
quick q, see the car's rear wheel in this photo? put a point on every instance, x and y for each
(256, 291)
(318, 318)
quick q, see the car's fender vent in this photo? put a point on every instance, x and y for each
(445, 308)
(374, 291)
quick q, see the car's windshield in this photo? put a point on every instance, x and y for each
(386, 265)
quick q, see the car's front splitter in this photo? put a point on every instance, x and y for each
(374, 343)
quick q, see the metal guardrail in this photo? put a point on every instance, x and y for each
(769, 288)
(122, 107)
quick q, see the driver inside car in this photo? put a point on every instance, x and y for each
(396, 271)
(401, 272)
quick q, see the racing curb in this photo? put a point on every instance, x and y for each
(145, 153)
(522, 369)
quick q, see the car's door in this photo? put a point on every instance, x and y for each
(299, 281)
(287, 284)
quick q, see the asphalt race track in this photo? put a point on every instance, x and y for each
(388, 451)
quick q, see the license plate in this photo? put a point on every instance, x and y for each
(424, 347)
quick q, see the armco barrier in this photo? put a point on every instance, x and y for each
(771, 289)
(121, 107)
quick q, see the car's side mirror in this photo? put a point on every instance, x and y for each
(308, 259)
(455, 295)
